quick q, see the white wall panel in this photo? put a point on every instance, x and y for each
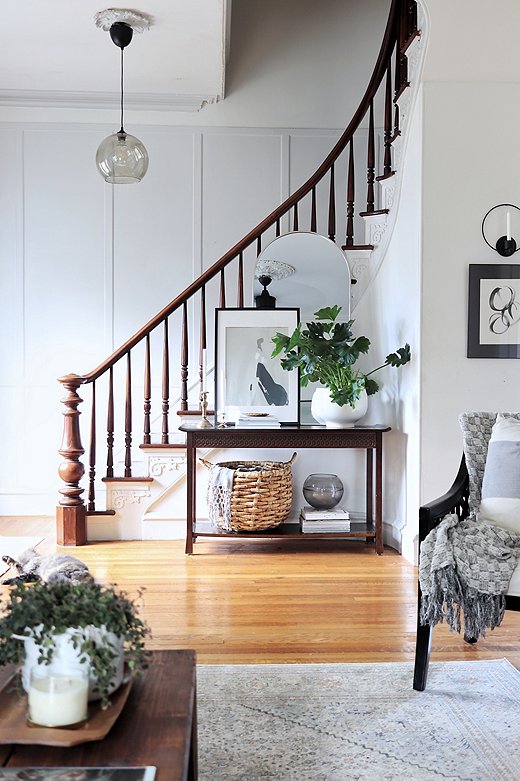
(241, 185)
(154, 222)
(241, 181)
(64, 253)
(11, 268)
(13, 428)
(307, 152)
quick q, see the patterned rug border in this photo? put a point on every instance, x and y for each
(318, 665)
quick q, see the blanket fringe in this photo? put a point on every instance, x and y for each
(447, 600)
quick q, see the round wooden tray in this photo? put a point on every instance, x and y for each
(14, 727)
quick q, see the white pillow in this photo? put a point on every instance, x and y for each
(500, 502)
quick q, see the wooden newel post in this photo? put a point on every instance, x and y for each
(70, 512)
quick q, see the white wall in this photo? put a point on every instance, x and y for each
(472, 41)
(471, 160)
(474, 171)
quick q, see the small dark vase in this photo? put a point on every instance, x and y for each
(323, 491)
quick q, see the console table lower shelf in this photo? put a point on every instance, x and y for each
(288, 531)
(368, 438)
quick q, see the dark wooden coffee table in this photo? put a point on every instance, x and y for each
(158, 726)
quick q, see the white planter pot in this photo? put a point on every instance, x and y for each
(66, 658)
(331, 415)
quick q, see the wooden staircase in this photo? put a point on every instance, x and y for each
(151, 505)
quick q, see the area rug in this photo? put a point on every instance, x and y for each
(338, 722)
(13, 546)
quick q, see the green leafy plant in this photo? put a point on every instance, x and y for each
(45, 610)
(326, 352)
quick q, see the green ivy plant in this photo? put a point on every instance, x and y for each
(326, 352)
(43, 610)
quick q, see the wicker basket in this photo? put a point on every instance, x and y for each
(260, 499)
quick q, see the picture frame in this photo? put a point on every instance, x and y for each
(247, 378)
(494, 310)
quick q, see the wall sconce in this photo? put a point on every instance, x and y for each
(122, 158)
(505, 244)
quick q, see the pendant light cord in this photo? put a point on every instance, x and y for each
(122, 128)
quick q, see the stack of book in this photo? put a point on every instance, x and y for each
(314, 520)
(256, 420)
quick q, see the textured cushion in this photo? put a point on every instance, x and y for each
(500, 499)
(477, 428)
(476, 433)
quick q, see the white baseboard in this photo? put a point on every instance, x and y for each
(28, 504)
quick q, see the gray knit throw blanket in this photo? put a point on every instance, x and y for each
(466, 565)
(220, 488)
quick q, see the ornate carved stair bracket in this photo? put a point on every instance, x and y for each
(121, 497)
(375, 227)
(70, 513)
(397, 147)
(158, 465)
(359, 264)
(387, 190)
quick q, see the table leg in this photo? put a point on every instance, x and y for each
(369, 491)
(190, 490)
(193, 772)
(379, 495)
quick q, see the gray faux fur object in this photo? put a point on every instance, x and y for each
(30, 566)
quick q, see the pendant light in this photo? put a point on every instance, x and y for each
(121, 158)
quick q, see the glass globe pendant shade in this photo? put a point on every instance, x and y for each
(122, 159)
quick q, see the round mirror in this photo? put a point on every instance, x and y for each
(305, 270)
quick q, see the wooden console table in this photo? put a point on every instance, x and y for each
(157, 726)
(369, 438)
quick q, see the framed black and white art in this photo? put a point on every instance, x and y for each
(247, 378)
(494, 311)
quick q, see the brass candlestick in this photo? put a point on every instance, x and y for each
(222, 420)
(204, 423)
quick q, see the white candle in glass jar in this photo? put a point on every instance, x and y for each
(58, 699)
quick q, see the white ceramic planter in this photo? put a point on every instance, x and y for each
(331, 415)
(66, 658)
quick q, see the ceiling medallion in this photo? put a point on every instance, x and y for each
(137, 20)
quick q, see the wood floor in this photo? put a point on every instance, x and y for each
(254, 602)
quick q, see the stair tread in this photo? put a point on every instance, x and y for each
(163, 446)
(375, 213)
(121, 479)
(100, 512)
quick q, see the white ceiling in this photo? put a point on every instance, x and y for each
(52, 54)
